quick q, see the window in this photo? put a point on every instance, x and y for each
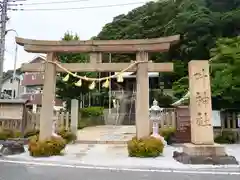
(22, 89)
(33, 90)
(30, 90)
(8, 92)
(34, 76)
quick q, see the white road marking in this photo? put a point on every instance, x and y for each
(119, 169)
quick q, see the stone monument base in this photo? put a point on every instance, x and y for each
(204, 154)
(11, 148)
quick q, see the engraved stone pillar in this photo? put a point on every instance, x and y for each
(142, 97)
(200, 103)
(202, 150)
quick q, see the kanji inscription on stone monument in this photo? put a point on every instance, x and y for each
(203, 119)
(200, 102)
(202, 98)
(200, 75)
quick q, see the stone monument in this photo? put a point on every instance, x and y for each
(202, 149)
(11, 147)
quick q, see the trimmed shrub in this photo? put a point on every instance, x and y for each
(87, 122)
(8, 133)
(31, 133)
(227, 137)
(17, 134)
(168, 134)
(67, 135)
(91, 116)
(83, 122)
(145, 147)
(91, 112)
(50, 147)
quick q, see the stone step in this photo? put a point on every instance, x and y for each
(101, 142)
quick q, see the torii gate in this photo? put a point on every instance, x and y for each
(96, 47)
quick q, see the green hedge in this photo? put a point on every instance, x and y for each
(91, 116)
(31, 133)
(168, 134)
(50, 147)
(7, 133)
(226, 137)
(67, 135)
(145, 147)
(91, 112)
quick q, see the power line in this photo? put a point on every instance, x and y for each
(76, 8)
(51, 2)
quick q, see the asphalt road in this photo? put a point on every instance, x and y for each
(12, 171)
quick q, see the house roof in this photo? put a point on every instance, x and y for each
(9, 74)
(36, 58)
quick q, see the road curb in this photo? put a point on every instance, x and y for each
(224, 170)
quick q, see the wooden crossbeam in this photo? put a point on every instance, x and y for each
(98, 67)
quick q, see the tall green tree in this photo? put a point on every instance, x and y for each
(199, 22)
(225, 64)
(67, 90)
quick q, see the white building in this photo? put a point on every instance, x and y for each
(10, 87)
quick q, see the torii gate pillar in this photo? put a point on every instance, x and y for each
(142, 97)
(48, 97)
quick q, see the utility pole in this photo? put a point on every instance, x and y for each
(3, 21)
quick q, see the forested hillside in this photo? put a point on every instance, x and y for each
(202, 24)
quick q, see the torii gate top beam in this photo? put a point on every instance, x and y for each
(120, 46)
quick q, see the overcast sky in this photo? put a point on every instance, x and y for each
(51, 25)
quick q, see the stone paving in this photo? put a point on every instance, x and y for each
(115, 155)
(106, 134)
